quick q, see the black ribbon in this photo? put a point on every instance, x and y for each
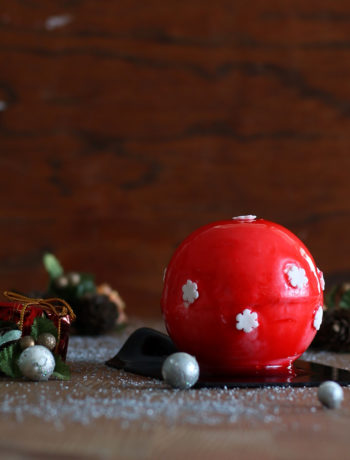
(144, 353)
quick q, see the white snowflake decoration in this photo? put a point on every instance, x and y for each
(249, 217)
(247, 321)
(296, 276)
(321, 278)
(318, 318)
(190, 292)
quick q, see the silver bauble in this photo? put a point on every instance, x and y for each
(180, 370)
(330, 394)
(36, 363)
(26, 341)
(47, 340)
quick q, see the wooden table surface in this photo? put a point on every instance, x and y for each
(105, 413)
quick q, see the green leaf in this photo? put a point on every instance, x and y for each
(41, 325)
(10, 336)
(8, 360)
(52, 265)
(86, 285)
(331, 297)
(61, 371)
(345, 300)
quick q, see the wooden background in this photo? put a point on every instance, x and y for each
(125, 125)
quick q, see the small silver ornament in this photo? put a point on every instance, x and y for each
(26, 341)
(330, 394)
(180, 370)
(47, 340)
(36, 363)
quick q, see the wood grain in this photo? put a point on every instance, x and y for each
(130, 124)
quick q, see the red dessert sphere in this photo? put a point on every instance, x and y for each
(242, 296)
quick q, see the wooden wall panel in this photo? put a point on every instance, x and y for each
(124, 125)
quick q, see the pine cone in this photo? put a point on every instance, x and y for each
(334, 333)
(96, 314)
(114, 297)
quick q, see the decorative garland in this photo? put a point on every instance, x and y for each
(12, 352)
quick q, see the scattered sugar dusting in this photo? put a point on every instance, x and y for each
(97, 391)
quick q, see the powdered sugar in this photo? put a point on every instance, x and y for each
(97, 391)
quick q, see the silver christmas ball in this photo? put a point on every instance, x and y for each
(36, 363)
(330, 394)
(180, 370)
(47, 340)
(26, 341)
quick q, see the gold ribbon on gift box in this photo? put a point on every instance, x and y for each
(58, 307)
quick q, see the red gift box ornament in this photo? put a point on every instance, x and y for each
(23, 310)
(243, 296)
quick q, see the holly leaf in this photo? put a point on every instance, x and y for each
(330, 298)
(52, 265)
(345, 300)
(8, 360)
(86, 285)
(10, 336)
(61, 371)
(41, 325)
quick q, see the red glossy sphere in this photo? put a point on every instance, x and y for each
(242, 296)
